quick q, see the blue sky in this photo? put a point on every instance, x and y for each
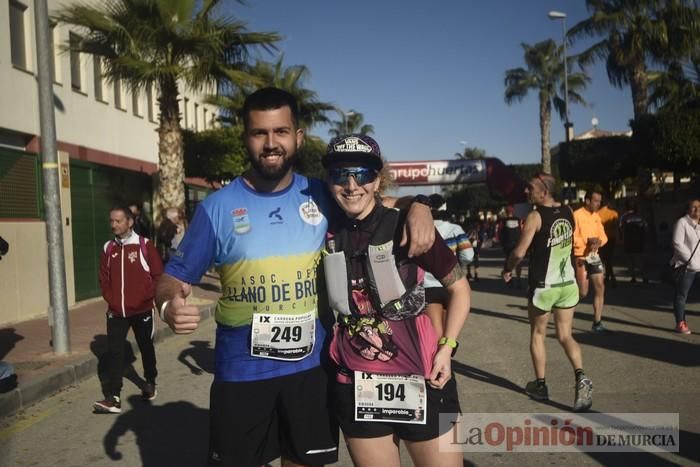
(429, 74)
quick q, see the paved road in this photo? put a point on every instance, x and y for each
(639, 367)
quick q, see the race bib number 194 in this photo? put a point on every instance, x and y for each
(390, 398)
(283, 337)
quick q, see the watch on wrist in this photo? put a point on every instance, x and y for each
(422, 199)
(450, 343)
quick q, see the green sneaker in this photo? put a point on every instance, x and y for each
(536, 391)
(584, 394)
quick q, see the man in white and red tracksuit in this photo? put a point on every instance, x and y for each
(129, 268)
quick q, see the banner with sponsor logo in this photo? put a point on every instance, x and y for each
(438, 172)
(562, 432)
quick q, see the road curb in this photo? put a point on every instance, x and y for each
(31, 392)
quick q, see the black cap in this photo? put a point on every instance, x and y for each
(354, 149)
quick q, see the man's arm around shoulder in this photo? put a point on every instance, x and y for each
(419, 230)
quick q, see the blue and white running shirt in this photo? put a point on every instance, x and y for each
(266, 248)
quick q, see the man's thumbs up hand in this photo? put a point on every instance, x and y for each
(181, 317)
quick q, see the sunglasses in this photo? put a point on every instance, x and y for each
(362, 175)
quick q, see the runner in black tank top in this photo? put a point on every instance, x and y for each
(550, 257)
(548, 232)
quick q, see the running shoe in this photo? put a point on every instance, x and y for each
(584, 394)
(109, 405)
(149, 391)
(536, 391)
(599, 328)
(682, 328)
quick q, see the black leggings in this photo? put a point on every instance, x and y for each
(117, 329)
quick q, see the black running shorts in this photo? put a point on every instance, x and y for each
(253, 423)
(443, 400)
(437, 295)
(591, 268)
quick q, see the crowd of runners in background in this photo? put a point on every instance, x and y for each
(633, 237)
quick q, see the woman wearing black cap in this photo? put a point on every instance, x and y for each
(394, 374)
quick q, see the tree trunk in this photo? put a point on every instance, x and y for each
(545, 125)
(171, 187)
(639, 89)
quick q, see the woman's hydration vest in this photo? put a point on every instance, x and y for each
(381, 324)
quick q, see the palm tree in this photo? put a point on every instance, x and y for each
(676, 87)
(544, 74)
(471, 153)
(166, 44)
(635, 33)
(350, 122)
(312, 111)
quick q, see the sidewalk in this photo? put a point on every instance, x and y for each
(27, 346)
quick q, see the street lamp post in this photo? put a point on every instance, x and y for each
(568, 126)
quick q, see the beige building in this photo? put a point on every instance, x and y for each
(107, 145)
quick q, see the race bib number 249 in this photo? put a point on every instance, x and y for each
(283, 337)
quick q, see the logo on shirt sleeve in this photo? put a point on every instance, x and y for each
(241, 221)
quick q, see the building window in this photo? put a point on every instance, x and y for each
(18, 46)
(136, 103)
(149, 103)
(20, 187)
(196, 117)
(118, 94)
(76, 81)
(99, 81)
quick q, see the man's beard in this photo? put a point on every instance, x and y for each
(273, 174)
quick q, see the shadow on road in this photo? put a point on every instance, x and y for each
(490, 378)
(651, 347)
(672, 351)
(202, 354)
(588, 317)
(173, 434)
(99, 348)
(485, 376)
(522, 318)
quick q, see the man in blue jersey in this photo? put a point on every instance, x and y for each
(264, 233)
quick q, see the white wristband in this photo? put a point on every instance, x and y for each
(161, 311)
